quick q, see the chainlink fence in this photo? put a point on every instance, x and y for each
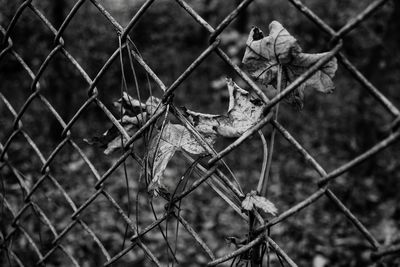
(50, 241)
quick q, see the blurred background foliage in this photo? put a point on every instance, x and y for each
(334, 128)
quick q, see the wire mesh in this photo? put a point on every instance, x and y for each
(57, 234)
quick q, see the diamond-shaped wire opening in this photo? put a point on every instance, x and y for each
(20, 37)
(79, 41)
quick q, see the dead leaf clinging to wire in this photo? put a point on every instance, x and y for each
(252, 200)
(174, 137)
(244, 111)
(264, 54)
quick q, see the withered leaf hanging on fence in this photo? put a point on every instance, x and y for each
(172, 138)
(244, 112)
(110, 140)
(253, 200)
(134, 114)
(264, 54)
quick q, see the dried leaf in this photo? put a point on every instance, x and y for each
(159, 160)
(134, 114)
(244, 112)
(265, 205)
(110, 140)
(264, 54)
(130, 106)
(247, 203)
(203, 123)
(118, 140)
(152, 104)
(174, 137)
(253, 200)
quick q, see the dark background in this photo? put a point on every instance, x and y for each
(333, 128)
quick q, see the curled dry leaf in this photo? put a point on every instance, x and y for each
(244, 112)
(253, 200)
(134, 114)
(264, 54)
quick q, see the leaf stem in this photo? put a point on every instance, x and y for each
(272, 140)
(264, 165)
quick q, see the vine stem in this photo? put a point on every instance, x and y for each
(261, 181)
(272, 140)
(264, 176)
(124, 88)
